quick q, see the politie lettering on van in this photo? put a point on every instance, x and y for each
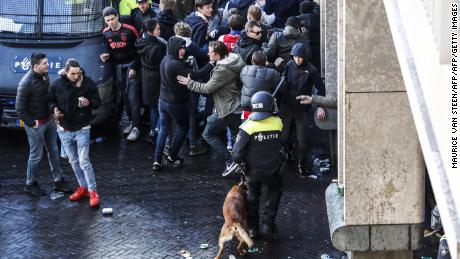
(61, 29)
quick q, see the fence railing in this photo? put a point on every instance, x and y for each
(51, 19)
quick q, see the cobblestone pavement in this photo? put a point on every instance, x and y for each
(155, 215)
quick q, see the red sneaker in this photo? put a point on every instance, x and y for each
(93, 199)
(79, 194)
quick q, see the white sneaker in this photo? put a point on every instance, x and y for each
(134, 135)
(128, 128)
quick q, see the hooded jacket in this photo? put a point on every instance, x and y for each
(281, 43)
(224, 85)
(246, 46)
(151, 51)
(300, 80)
(167, 21)
(32, 98)
(200, 55)
(171, 66)
(64, 94)
(255, 79)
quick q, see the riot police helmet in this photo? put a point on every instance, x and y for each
(262, 104)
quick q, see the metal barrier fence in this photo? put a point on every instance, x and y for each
(51, 19)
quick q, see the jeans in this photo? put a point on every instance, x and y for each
(169, 113)
(76, 145)
(154, 115)
(131, 93)
(44, 135)
(215, 132)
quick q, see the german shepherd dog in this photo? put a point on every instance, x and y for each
(235, 219)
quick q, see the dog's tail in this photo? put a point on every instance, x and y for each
(244, 235)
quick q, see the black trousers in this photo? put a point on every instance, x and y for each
(295, 123)
(272, 187)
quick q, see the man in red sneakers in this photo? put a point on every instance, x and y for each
(72, 97)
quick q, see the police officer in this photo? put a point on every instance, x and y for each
(258, 144)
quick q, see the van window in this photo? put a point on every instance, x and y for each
(51, 19)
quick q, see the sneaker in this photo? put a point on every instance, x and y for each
(166, 150)
(34, 189)
(197, 150)
(156, 166)
(175, 162)
(128, 128)
(230, 167)
(134, 135)
(79, 194)
(61, 186)
(93, 199)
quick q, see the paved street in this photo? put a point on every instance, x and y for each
(155, 215)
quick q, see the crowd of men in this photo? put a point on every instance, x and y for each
(233, 68)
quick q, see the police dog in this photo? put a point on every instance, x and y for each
(235, 220)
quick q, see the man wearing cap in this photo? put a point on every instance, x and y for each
(258, 144)
(140, 14)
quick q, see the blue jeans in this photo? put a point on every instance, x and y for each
(169, 113)
(44, 135)
(215, 132)
(76, 145)
(154, 115)
(131, 93)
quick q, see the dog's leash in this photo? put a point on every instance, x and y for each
(242, 172)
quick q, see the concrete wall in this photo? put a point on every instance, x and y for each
(383, 165)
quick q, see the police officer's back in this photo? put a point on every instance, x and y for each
(258, 144)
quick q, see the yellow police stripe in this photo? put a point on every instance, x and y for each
(268, 124)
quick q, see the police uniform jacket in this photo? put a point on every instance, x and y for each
(258, 143)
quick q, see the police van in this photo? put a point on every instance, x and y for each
(61, 29)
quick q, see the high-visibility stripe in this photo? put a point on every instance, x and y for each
(269, 124)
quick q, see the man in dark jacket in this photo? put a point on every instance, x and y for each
(282, 10)
(256, 77)
(249, 41)
(301, 77)
(310, 20)
(258, 145)
(151, 49)
(199, 21)
(167, 19)
(72, 97)
(173, 103)
(32, 107)
(143, 12)
(184, 31)
(280, 45)
(120, 40)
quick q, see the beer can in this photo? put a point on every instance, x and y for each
(80, 101)
(107, 211)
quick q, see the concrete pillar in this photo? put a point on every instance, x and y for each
(380, 160)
